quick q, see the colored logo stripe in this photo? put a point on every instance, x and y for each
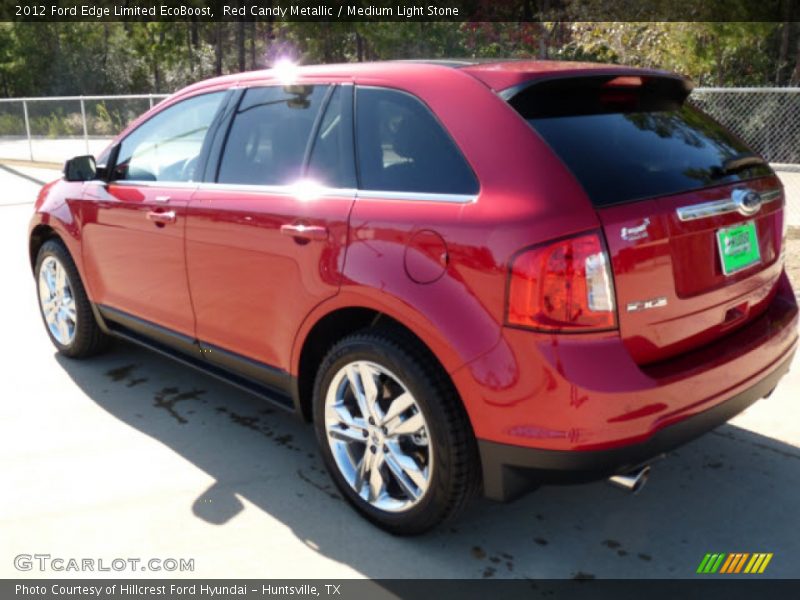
(734, 562)
(729, 562)
(710, 563)
(758, 563)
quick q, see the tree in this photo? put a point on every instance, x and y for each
(118, 57)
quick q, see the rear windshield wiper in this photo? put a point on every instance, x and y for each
(740, 162)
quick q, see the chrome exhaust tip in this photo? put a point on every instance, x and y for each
(632, 482)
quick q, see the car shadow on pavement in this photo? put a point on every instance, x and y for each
(730, 491)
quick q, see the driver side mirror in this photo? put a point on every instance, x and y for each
(80, 168)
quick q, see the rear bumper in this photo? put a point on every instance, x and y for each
(509, 471)
(548, 408)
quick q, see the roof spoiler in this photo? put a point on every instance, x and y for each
(571, 94)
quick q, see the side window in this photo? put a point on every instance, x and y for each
(267, 141)
(166, 147)
(331, 163)
(403, 148)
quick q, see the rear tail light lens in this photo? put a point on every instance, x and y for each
(563, 286)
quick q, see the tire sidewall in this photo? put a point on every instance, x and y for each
(355, 349)
(83, 327)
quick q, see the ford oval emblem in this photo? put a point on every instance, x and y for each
(747, 202)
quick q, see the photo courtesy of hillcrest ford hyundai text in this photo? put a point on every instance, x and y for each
(471, 277)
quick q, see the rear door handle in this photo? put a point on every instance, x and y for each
(161, 217)
(305, 232)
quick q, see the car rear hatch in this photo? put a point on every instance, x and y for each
(692, 218)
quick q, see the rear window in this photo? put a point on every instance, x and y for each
(628, 138)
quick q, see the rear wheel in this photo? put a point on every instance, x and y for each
(64, 306)
(393, 433)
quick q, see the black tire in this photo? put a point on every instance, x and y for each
(455, 476)
(88, 338)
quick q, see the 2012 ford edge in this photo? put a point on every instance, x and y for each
(467, 275)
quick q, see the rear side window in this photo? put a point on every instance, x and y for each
(269, 135)
(402, 147)
(626, 138)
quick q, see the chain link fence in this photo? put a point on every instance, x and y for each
(53, 129)
(768, 119)
(50, 130)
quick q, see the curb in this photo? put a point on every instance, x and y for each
(13, 162)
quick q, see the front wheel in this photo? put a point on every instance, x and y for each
(393, 433)
(64, 306)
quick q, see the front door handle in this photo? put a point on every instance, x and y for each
(161, 217)
(305, 232)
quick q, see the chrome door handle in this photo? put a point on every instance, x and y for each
(305, 232)
(161, 217)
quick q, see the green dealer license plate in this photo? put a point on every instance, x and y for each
(738, 247)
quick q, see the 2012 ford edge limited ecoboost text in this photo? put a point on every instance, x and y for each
(469, 275)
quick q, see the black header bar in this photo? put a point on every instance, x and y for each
(400, 10)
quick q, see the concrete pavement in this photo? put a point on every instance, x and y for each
(131, 455)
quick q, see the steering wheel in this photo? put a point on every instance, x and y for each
(188, 169)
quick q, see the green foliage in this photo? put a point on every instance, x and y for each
(71, 58)
(105, 121)
(12, 125)
(711, 53)
(56, 123)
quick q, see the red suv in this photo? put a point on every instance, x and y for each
(467, 275)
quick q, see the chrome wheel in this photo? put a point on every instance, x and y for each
(57, 301)
(378, 436)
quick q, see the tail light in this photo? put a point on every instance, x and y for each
(563, 286)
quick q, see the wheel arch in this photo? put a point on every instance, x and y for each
(324, 328)
(40, 234)
(54, 218)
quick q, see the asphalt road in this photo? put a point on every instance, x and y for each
(130, 455)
